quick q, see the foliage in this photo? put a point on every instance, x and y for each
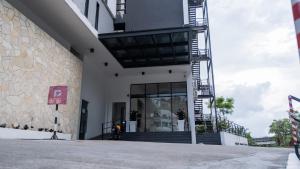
(251, 142)
(223, 125)
(282, 131)
(133, 115)
(224, 105)
(200, 128)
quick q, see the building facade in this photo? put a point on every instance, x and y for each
(143, 64)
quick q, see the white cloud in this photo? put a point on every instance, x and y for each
(255, 58)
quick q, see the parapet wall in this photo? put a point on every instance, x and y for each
(228, 139)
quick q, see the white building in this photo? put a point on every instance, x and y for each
(144, 64)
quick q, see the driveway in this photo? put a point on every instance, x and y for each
(34, 154)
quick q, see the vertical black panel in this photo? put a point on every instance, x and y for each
(86, 8)
(97, 16)
(83, 119)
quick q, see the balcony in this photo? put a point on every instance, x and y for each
(160, 47)
(197, 3)
(201, 55)
(204, 89)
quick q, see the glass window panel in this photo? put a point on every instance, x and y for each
(168, 58)
(150, 52)
(161, 109)
(144, 40)
(128, 61)
(112, 42)
(141, 60)
(163, 38)
(120, 53)
(166, 51)
(165, 89)
(155, 59)
(158, 116)
(180, 113)
(137, 113)
(182, 49)
(151, 90)
(134, 52)
(182, 58)
(138, 90)
(128, 41)
(179, 88)
(180, 37)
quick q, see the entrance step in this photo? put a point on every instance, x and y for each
(163, 137)
(167, 137)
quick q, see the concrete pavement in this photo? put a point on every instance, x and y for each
(28, 154)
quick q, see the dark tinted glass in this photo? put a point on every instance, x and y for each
(138, 90)
(179, 88)
(165, 89)
(151, 90)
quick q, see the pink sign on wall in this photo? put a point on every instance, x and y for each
(57, 95)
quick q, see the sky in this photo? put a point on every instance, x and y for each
(255, 59)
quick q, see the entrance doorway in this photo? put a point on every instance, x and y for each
(83, 119)
(119, 112)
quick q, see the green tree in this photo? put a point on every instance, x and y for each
(282, 131)
(250, 139)
(225, 105)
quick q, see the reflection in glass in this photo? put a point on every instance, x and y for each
(158, 116)
(138, 110)
(151, 90)
(160, 107)
(179, 108)
(165, 89)
(137, 90)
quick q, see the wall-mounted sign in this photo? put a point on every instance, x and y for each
(57, 95)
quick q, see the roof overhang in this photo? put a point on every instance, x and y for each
(161, 47)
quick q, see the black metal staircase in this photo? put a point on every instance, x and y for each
(201, 61)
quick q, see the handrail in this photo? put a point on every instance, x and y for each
(231, 127)
(201, 22)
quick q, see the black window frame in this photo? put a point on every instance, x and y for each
(86, 8)
(97, 15)
(145, 96)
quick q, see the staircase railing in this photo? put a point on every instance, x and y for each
(231, 127)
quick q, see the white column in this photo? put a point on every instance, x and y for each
(191, 106)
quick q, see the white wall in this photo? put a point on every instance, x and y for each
(228, 139)
(112, 4)
(185, 11)
(118, 88)
(93, 88)
(105, 23)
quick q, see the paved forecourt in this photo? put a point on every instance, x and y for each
(29, 154)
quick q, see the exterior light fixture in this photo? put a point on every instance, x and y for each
(116, 74)
(170, 71)
(105, 64)
(92, 50)
(143, 73)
